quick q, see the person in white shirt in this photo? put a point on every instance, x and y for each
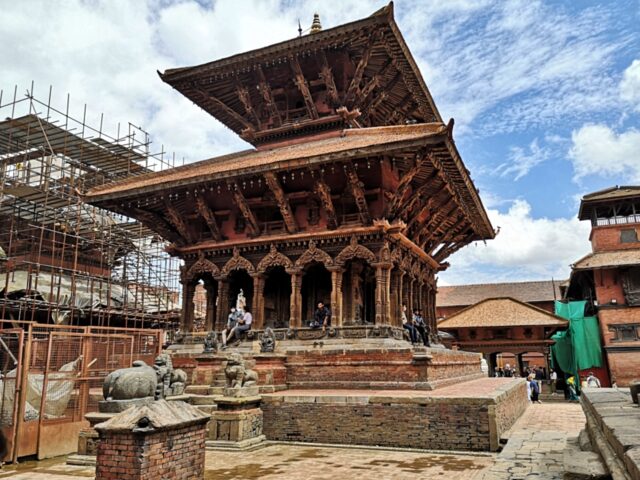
(554, 380)
(243, 325)
(592, 381)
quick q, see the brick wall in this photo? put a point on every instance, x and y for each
(608, 285)
(608, 238)
(170, 454)
(472, 421)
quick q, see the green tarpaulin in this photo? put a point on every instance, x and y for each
(578, 347)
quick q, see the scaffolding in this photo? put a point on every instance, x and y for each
(63, 261)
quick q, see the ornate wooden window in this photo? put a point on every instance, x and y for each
(473, 334)
(631, 285)
(501, 333)
(528, 333)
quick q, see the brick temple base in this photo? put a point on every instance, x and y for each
(164, 441)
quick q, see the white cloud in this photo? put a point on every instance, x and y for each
(630, 84)
(522, 161)
(598, 150)
(527, 248)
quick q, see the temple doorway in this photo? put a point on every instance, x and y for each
(358, 293)
(277, 297)
(203, 308)
(316, 287)
(240, 280)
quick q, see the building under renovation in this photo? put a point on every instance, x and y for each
(61, 260)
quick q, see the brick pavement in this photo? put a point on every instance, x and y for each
(536, 442)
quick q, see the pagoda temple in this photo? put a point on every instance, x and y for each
(353, 192)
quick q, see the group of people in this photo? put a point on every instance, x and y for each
(239, 320)
(416, 326)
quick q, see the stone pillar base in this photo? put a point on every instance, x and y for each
(236, 424)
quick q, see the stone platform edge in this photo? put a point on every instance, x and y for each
(613, 424)
(443, 422)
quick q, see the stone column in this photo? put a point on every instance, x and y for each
(223, 302)
(387, 294)
(393, 289)
(410, 297)
(257, 302)
(188, 290)
(336, 295)
(295, 306)
(210, 316)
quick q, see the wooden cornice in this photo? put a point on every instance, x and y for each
(322, 190)
(177, 220)
(303, 86)
(282, 201)
(357, 189)
(450, 235)
(248, 215)
(267, 98)
(209, 218)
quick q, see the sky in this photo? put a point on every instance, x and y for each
(545, 94)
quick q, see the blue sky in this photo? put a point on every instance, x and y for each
(545, 94)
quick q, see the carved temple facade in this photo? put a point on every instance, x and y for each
(354, 193)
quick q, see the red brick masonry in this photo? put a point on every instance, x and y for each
(466, 416)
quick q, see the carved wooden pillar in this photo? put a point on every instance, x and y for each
(382, 292)
(211, 306)
(336, 295)
(388, 319)
(401, 297)
(188, 291)
(257, 303)
(295, 307)
(393, 289)
(222, 303)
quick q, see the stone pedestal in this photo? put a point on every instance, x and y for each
(88, 440)
(164, 440)
(237, 423)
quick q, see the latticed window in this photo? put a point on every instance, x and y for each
(631, 286)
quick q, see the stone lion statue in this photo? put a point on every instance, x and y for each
(268, 341)
(237, 374)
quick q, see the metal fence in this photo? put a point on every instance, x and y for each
(51, 376)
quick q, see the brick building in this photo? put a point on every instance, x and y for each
(505, 330)
(609, 277)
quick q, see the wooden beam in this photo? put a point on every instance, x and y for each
(245, 99)
(248, 215)
(283, 203)
(367, 89)
(303, 86)
(267, 98)
(428, 205)
(209, 218)
(357, 189)
(224, 108)
(156, 223)
(447, 235)
(354, 86)
(327, 77)
(451, 249)
(177, 220)
(403, 187)
(323, 192)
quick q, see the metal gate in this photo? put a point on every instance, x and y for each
(52, 376)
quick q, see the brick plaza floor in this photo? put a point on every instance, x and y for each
(534, 450)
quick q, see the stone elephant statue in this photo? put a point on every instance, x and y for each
(138, 381)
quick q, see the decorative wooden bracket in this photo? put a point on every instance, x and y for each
(323, 192)
(208, 216)
(303, 86)
(267, 98)
(157, 223)
(405, 182)
(327, 77)
(220, 106)
(283, 203)
(357, 188)
(245, 99)
(354, 86)
(175, 218)
(248, 215)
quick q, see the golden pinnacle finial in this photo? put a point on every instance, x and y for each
(316, 26)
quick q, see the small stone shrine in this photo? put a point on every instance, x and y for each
(162, 440)
(136, 386)
(237, 423)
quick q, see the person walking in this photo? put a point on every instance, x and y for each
(592, 381)
(535, 389)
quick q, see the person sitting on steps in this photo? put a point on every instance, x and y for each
(244, 324)
(408, 325)
(321, 317)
